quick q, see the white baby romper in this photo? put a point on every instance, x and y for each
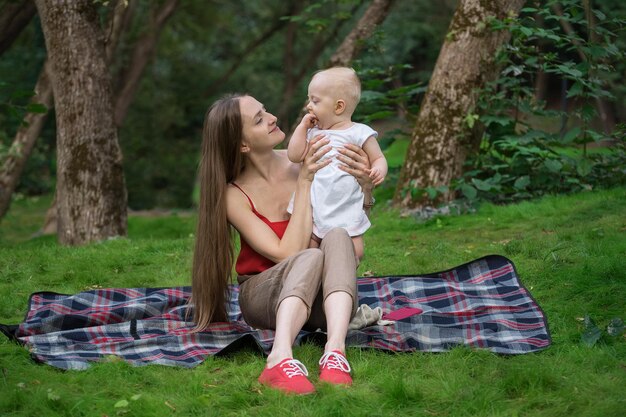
(336, 196)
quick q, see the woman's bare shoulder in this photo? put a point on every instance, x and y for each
(235, 197)
(292, 167)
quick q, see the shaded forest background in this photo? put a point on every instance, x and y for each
(206, 49)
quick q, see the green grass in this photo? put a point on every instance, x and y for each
(570, 251)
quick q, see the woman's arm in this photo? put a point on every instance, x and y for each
(298, 233)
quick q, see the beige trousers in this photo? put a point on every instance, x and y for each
(311, 275)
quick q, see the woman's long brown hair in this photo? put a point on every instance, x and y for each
(222, 161)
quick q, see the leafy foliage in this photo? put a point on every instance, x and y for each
(383, 97)
(519, 158)
(160, 137)
(592, 333)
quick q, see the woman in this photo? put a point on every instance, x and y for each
(246, 183)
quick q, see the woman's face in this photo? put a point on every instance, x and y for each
(259, 127)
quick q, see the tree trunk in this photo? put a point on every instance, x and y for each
(142, 54)
(23, 143)
(352, 44)
(122, 12)
(14, 17)
(289, 69)
(320, 43)
(119, 22)
(91, 194)
(541, 77)
(374, 15)
(441, 140)
(219, 83)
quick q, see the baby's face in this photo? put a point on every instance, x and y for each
(322, 100)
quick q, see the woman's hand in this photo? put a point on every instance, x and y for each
(356, 163)
(316, 149)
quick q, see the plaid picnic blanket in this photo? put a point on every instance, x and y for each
(479, 304)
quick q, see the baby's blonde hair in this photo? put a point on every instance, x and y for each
(345, 85)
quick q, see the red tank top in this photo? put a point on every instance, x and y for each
(250, 262)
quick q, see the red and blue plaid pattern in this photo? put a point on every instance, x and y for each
(479, 304)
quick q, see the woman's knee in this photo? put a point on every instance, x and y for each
(312, 252)
(337, 233)
(337, 240)
(312, 256)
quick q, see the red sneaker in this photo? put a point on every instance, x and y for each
(289, 376)
(335, 369)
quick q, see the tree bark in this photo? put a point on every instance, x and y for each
(119, 22)
(14, 17)
(91, 193)
(289, 69)
(122, 12)
(441, 139)
(541, 77)
(215, 86)
(13, 165)
(142, 54)
(352, 44)
(293, 77)
(374, 15)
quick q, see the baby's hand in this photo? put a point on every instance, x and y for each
(376, 176)
(309, 120)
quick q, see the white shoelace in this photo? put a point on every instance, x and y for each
(332, 360)
(294, 367)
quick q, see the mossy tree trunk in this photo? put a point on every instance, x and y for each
(374, 15)
(91, 193)
(143, 52)
(12, 165)
(441, 139)
(353, 43)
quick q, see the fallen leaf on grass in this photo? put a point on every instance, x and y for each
(592, 333)
(93, 287)
(53, 396)
(615, 327)
(368, 274)
(121, 404)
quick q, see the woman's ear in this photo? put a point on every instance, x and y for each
(340, 107)
(244, 148)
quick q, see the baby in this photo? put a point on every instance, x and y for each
(336, 196)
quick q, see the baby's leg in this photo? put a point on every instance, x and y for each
(315, 241)
(358, 246)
